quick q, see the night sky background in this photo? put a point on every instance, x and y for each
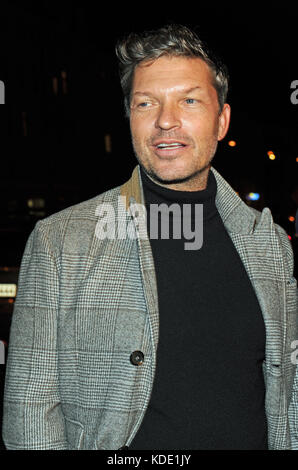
(63, 97)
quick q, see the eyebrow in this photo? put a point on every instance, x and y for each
(186, 92)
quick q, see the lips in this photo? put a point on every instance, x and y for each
(168, 144)
(169, 148)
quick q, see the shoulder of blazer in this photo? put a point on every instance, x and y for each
(75, 224)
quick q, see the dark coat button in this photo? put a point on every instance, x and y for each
(137, 358)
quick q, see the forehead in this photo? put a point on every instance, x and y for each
(167, 73)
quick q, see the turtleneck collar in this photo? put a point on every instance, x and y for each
(156, 194)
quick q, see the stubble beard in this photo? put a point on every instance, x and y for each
(192, 176)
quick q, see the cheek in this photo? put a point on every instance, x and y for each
(200, 129)
(139, 129)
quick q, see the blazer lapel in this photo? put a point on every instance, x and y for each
(254, 237)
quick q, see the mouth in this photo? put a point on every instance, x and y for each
(167, 148)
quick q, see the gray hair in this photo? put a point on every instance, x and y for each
(171, 40)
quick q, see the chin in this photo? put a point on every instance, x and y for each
(176, 175)
(170, 176)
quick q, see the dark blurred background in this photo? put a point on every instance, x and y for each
(64, 137)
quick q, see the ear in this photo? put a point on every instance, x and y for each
(224, 121)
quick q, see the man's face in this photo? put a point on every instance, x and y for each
(175, 122)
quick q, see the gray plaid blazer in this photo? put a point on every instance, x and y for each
(84, 304)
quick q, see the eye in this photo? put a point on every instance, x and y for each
(190, 100)
(144, 104)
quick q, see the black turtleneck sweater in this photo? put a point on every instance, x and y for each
(208, 391)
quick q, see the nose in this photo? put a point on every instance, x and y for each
(168, 117)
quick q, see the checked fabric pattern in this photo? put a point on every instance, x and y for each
(84, 304)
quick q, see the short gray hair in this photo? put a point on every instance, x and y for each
(171, 40)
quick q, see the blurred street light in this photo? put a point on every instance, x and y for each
(271, 155)
(253, 196)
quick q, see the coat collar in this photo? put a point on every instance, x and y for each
(236, 215)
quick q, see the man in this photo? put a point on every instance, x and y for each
(120, 340)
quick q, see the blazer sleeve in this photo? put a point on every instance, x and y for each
(32, 414)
